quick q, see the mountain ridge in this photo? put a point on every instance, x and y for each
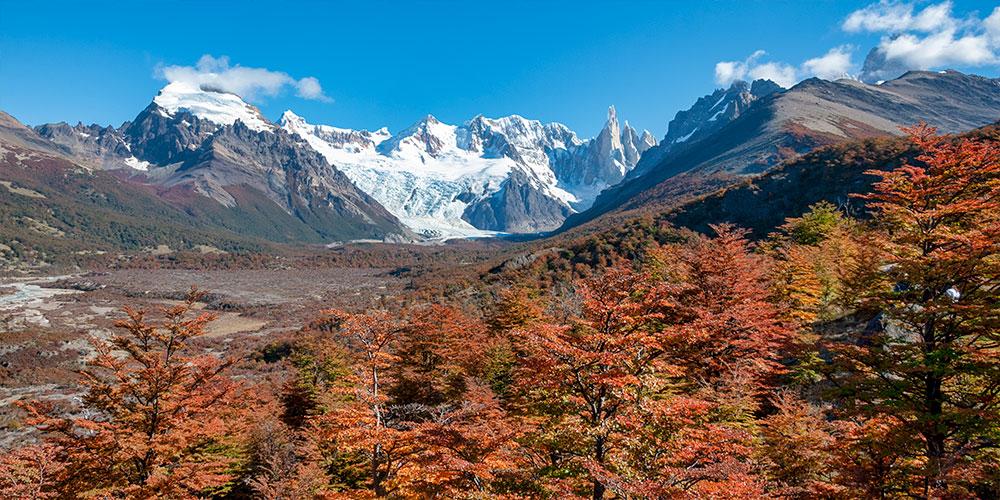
(786, 124)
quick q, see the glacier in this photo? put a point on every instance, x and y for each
(432, 174)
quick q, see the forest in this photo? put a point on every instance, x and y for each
(844, 355)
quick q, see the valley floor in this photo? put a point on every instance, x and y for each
(46, 321)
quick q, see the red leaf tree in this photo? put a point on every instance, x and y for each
(157, 418)
(931, 372)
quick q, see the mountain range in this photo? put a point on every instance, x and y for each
(756, 131)
(201, 167)
(479, 178)
(486, 175)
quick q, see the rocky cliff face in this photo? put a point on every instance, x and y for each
(210, 144)
(292, 175)
(162, 139)
(604, 160)
(100, 147)
(877, 68)
(708, 114)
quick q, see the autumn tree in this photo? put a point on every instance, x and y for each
(30, 472)
(438, 349)
(361, 426)
(930, 369)
(714, 298)
(157, 417)
(514, 309)
(655, 386)
(798, 449)
(317, 363)
(281, 463)
(812, 255)
(720, 339)
(818, 224)
(469, 446)
(589, 372)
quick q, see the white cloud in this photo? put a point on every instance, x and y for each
(992, 26)
(898, 17)
(777, 72)
(934, 18)
(309, 88)
(931, 37)
(883, 16)
(727, 72)
(833, 65)
(248, 83)
(939, 49)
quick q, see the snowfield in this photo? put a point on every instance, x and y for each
(430, 173)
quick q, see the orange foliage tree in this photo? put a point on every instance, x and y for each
(30, 472)
(589, 373)
(157, 419)
(649, 390)
(360, 424)
(930, 374)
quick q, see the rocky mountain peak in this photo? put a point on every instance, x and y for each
(99, 147)
(763, 88)
(708, 114)
(877, 68)
(612, 131)
(426, 137)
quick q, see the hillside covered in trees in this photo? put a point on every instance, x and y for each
(842, 355)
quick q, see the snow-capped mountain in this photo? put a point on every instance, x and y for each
(483, 177)
(210, 152)
(508, 174)
(218, 107)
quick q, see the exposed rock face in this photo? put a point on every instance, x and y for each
(54, 205)
(15, 134)
(606, 159)
(783, 125)
(160, 138)
(289, 173)
(708, 114)
(102, 147)
(878, 69)
(517, 207)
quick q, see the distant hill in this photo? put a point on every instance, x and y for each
(831, 174)
(783, 125)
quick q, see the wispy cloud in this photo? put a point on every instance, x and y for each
(930, 37)
(835, 64)
(919, 38)
(246, 82)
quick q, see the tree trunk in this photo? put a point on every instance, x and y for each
(934, 406)
(599, 452)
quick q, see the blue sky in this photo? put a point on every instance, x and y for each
(390, 63)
